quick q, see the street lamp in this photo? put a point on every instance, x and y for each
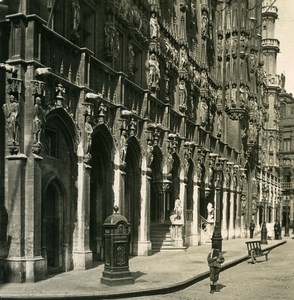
(263, 239)
(217, 236)
(286, 200)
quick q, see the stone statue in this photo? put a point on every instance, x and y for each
(154, 27)
(11, 112)
(176, 216)
(76, 15)
(38, 121)
(131, 60)
(88, 135)
(111, 37)
(210, 213)
(154, 71)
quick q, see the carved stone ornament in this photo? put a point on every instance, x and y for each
(11, 111)
(38, 125)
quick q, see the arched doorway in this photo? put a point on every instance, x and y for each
(59, 191)
(101, 193)
(131, 205)
(156, 194)
(52, 226)
(175, 186)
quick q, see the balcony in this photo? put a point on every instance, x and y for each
(287, 185)
(270, 10)
(270, 44)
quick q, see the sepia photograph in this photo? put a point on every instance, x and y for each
(146, 149)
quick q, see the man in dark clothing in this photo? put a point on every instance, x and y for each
(214, 259)
(251, 228)
(277, 230)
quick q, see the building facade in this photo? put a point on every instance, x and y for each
(133, 103)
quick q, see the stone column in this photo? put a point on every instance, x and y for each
(144, 244)
(231, 221)
(82, 255)
(224, 213)
(195, 230)
(24, 262)
(239, 223)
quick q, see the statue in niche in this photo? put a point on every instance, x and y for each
(123, 147)
(243, 43)
(154, 71)
(183, 93)
(11, 111)
(154, 27)
(252, 62)
(242, 95)
(210, 213)
(203, 112)
(76, 16)
(88, 135)
(183, 58)
(131, 60)
(228, 20)
(203, 79)
(234, 95)
(38, 121)
(252, 133)
(204, 24)
(243, 204)
(111, 37)
(177, 213)
(219, 125)
(149, 156)
(234, 44)
(220, 48)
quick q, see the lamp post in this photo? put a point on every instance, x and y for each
(286, 200)
(217, 236)
(263, 239)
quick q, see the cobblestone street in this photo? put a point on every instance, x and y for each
(264, 280)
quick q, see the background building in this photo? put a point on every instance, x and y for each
(133, 103)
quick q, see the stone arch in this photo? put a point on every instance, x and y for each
(189, 184)
(53, 226)
(59, 175)
(131, 206)
(156, 185)
(175, 182)
(101, 186)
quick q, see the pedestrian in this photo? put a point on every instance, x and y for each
(251, 228)
(214, 259)
(277, 229)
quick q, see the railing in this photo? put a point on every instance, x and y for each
(270, 42)
(273, 79)
(287, 185)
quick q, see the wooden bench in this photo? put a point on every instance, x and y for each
(254, 250)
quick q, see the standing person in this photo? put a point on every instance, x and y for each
(214, 259)
(277, 229)
(251, 228)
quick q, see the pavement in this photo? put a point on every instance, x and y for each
(160, 273)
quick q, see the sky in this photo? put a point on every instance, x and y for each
(284, 32)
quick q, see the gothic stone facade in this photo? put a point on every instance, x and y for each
(128, 103)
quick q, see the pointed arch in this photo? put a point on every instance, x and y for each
(132, 197)
(101, 186)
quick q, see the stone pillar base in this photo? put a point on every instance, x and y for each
(144, 248)
(225, 234)
(82, 260)
(194, 240)
(231, 234)
(21, 270)
(117, 278)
